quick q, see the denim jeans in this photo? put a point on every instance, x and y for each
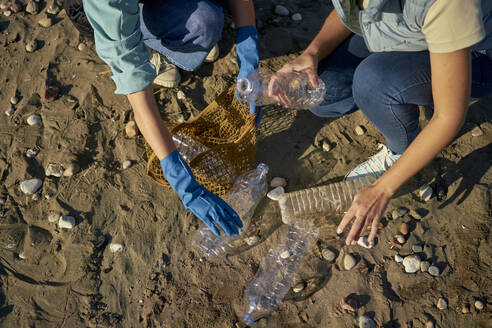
(183, 31)
(387, 87)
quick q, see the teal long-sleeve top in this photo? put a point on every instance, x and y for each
(119, 42)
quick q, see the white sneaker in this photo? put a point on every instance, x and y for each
(212, 55)
(376, 165)
(167, 74)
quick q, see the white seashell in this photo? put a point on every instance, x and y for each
(398, 258)
(31, 46)
(45, 22)
(14, 100)
(7, 13)
(400, 239)
(442, 304)
(29, 187)
(181, 95)
(360, 130)
(252, 240)
(35, 197)
(131, 129)
(22, 256)
(479, 305)
(281, 10)
(54, 170)
(476, 131)
(10, 111)
(298, 287)
(31, 152)
(66, 222)
(34, 119)
(411, 263)
(275, 194)
(278, 182)
(285, 254)
(326, 145)
(82, 46)
(349, 261)
(115, 247)
(363, 241)
(126, 165)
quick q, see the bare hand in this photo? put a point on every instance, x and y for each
(367, 209)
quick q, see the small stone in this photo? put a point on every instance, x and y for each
(45, 22)
(22, 256)
(34, 119)
(10, 111)
(281, 10)
(32, 7)
(54, 217)
(53, 9)
(442, 304)
(29, 187)
(476, 131)
(400, 239)
(126, 164)
(131, 129)
(424, 266)
(31, 152)
(465, 308)
(299, 287)
(417, 248)
(66, 222)
(31, 46)
(426, 193)
(433, 271)
(278, 182)
(285, 254)
(35, 197)
(366, 322)
(181, 95)
(51, 94)
(398, 258)
(363, 241)
(14, 100)
(252, 240)
(116, 247)
(429, 324)
(275, 194)
(328, 254)
(2, 200)
(54, 170)
(360, 130)
(411, 263)
(16, 7)
(402, 210)
(416, 214)
(7, 13)
(349, 304)
(349, 261)
(48, 195)
(479, 305)
(297, 17)
(404, 229)
(72, 169)
(4, 5)
(326, 145)
(82, 46)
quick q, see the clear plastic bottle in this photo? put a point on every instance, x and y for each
(278, 272)
(326, 200)
(246, 193)
(260, 88)
(188, 147)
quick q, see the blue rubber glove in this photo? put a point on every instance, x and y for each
(207, 206)
(248, 57)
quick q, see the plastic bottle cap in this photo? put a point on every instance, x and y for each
(264, 167)
(244, 86)
(247, 319)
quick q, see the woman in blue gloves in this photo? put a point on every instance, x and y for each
(184, 33)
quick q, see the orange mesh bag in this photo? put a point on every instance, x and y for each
(225, 132)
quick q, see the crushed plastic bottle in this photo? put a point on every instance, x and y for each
(326, 200)
(278, 271)
(188, 147)
(261, 88)
(245, 195)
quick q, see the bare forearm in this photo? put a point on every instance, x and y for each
(331, 35)
(149, 122)
(243, 12)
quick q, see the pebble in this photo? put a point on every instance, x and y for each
(51, 94)
(275, 193)
(54, 170)
(252, 240)
(479, 305)
(22, 256)
(398, 258)
(116, 247)
(476, 131)
(45, 22)
(82, 46)
(326, 145)
(465, 308)
(2, 200)
(32, 7)
(131, 129)
(4, 5)
(31, 46)
(34, 119)
(426, 193)
(35, 197)
(299, 287)
(7, 13)
(360, 130)
(14, 100)
(53, 9)
(363, 241)
(31, 152)
(30, 186)
(404, 229)
(442, 304)
(328, 254)
(66, 222)
(429, 324)
(54, 217)
(16, 7)
(285, 254)
(366, 322)
(349, 261)
(10, 111)
(72, 169)
(433, 271)
(411, 263)
(281, 10)
(297, 17)
(400, 239)
(126, 164)
(348, 303)
(181, 95)
(424, 266)
(278, 182)
(417, 248)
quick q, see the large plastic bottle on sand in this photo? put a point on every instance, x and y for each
(261, 88)
(245, 195)
(327, 200)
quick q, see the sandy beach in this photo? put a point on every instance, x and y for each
(57, 277)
